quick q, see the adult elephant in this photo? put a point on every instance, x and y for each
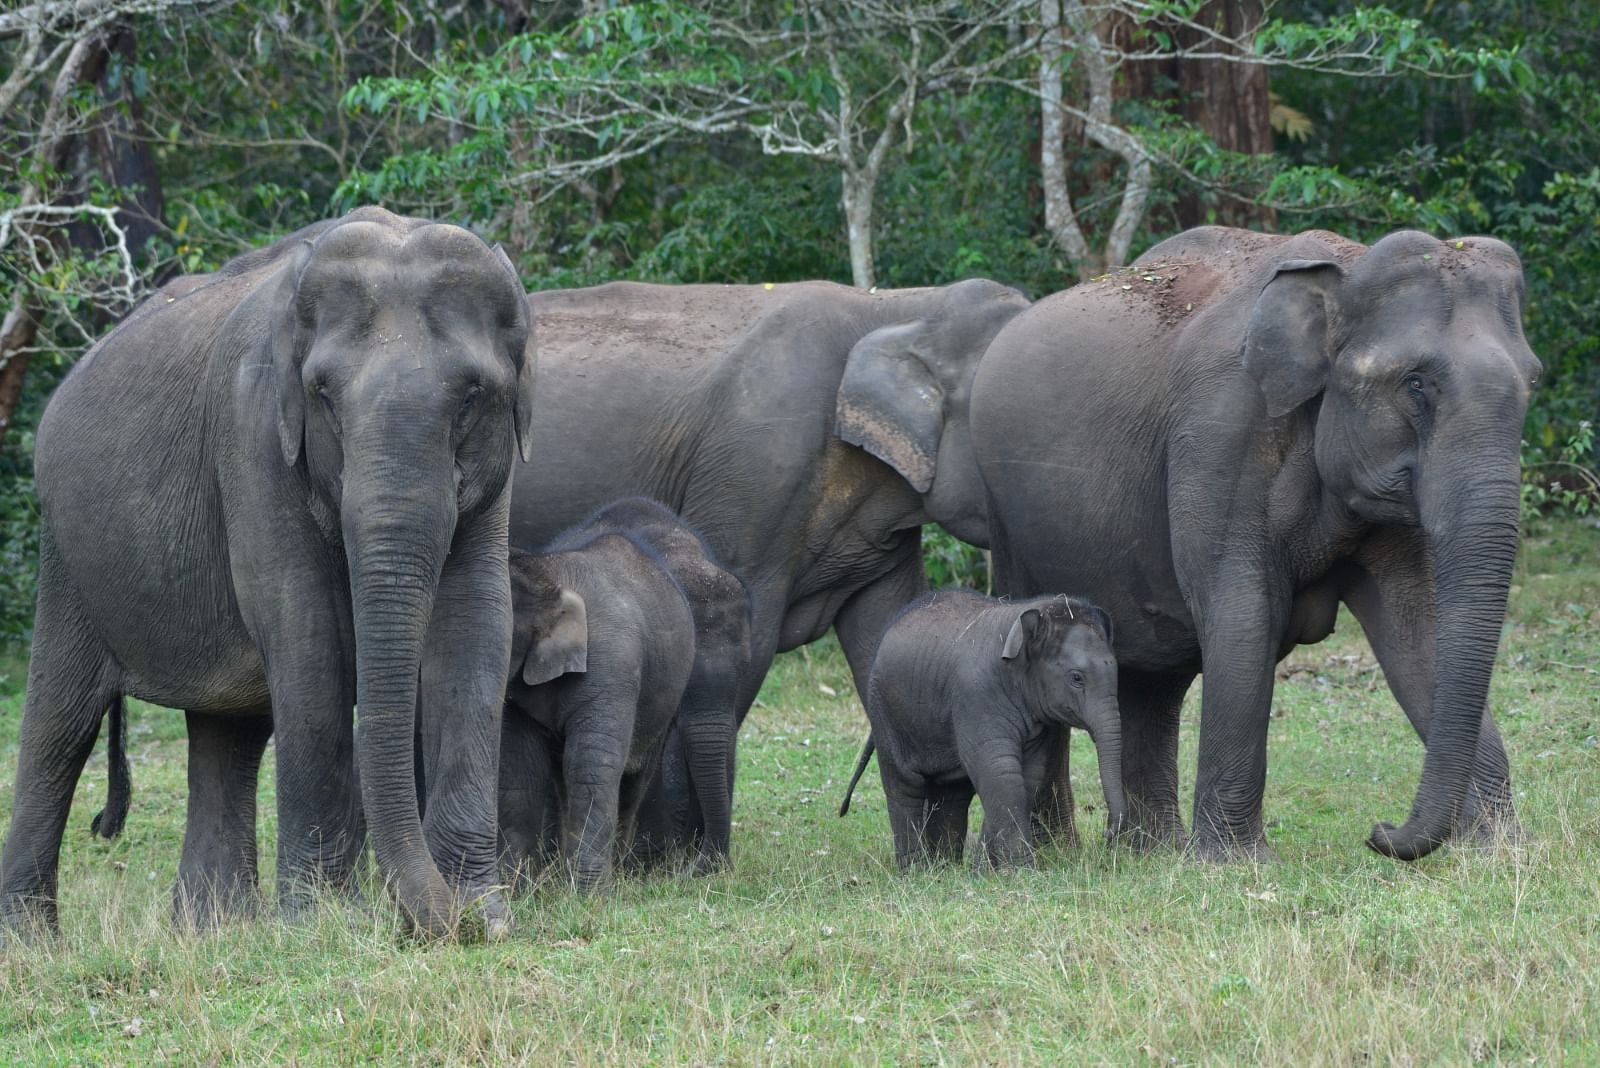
(1225, 441)
(268, 497)
(806, 430)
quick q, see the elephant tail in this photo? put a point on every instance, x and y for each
(119, 785)
(861, 766)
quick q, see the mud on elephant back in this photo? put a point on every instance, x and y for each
(269, 496)
(1227, 441)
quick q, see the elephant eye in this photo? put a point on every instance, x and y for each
(1415, 384)
(469, 406)
(321, 390)
(1076, 677)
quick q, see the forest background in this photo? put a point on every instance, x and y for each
(874, 142)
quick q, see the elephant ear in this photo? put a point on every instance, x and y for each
(1287, 349)
(520, 344)
(561, 642)
(1023, 629)
(1102, 620)
(890, 403)
(288, 341)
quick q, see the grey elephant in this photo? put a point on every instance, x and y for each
(807, 431)
(696, 782)
(624, 629)
(1268, 426)
(965, 696)
(269, 499)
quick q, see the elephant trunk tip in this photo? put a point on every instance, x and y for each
(1403, 843)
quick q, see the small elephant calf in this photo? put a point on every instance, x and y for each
(625, 628)
(965, 694)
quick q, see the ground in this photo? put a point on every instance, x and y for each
(814, 950)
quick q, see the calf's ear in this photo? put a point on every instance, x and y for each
(1021, 630)
(560, 642)
(890, 402)
(1102, 619)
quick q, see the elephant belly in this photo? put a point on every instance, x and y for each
(1136, 585)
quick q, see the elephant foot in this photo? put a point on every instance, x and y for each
(28, 921)
(1489, 825)
(711, 862)
(207, 907)
(1214, 850)
(485, 913)
(1150, 829)
(1056, 827)
(1145, 839)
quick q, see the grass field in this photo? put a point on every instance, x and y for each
(814, 950)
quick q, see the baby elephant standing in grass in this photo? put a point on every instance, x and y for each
(965, 696)
(624, 629)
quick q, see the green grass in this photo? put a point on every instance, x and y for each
(814, 950)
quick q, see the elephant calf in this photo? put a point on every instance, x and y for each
(625, 629)
(965, 696)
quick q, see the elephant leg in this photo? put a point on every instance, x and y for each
(1007, 835)
(597, 740)
(527, 791)
(861, 622)
(1239, 636)
(1150, 706)
(1053, 809)
(461, 699)
(630, 797)
(947, 825)
(707, 730)
(908, 815)
(321, 823)
(217, 875)
(1389, 589)
(668, 814)
(672, 817)
(70, 685)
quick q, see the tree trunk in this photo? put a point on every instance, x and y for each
(85, 62)
(123, 160)
(1059, 218)
(860, 187)
(1228, 101)
(16, 335)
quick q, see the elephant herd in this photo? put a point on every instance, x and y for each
(291, 489)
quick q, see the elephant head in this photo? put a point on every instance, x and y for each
(551, 636)
(904, 395)
(1413, 365)
(1060, 654)
(402, 360)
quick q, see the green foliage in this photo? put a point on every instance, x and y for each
(948, 561)
(1567, 480)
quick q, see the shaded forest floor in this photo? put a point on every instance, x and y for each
(813, 949)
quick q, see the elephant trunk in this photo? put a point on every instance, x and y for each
(1105, 727)
(395, 541)
(1471, 517)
